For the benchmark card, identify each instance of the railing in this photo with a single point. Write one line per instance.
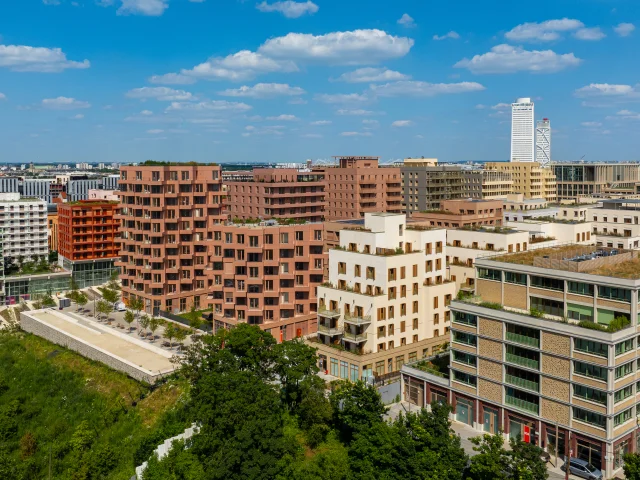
(522, 404)
(329, 330)
(525, 362)
(521, 382)
(355, 337)
(357, 319)
(325, 312)
(523, 339)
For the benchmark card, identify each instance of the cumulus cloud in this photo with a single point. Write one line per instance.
(402, 123)
(267, 130)
(453, 35)
(591, 124)
(501, 106)
(311, 135)
(589, 34)
(625, 115)
(371, 74)
(151, 8)
(172, 79)
(159, 93)
(284, 118)
(263, 90)
(211, 105)
(79, 116)
(423, 89)
(341, 98)
(343, 48)
(406, 21)
(358, 112)
(624, 29)
(321, 122)
(297, 101)
(289, 8)
(64, 103)
(544, 31)
(146, 112)
(356, 134)
(608, 90)
(22, 58)
(508, 59)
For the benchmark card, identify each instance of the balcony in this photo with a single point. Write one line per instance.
(325, 312)
(329, 330)
(523, 361)
(521, 404)
(523, 339)
(355, 337)
(521, 382)
(357, 319)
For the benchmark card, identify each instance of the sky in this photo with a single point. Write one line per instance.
(285, 81)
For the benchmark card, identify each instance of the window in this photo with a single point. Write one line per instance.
(619, 294)
(465, 318)
(590, 394)
(623, 393)
(552, 307)
(489, 274)
(594, 348)
(465, 338)
(547, 283)
(589, 417)
(464, 378)
(415, 323)
(624, 347)
(589, 370)
(624, 370)
(517, 278)
(465, 358)
(580, 288)
(622, 417)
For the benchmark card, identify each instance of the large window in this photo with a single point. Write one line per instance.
(589, 417)
(588, 370)
(623, 393)
(624, 347)
(580, 288)
(594, 348)
(548, 283)
(579, 312)
(619, 294)
(624, 370)
(465, 338)
(463, 357)
(552, 307)
(465, 318)
(590, 394)
(464, 378)
(622, 417)
(517, 278)
(489, 274)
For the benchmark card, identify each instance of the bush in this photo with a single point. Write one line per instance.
(534, 312)
(492, 305)
(617, 324)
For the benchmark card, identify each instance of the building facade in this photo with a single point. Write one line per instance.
(24, 224)
(266, 275)
(425, 184)
(359, 185)
(486, 184)
(386, 301)
(462, 213)
(577, 179)
(522, 131)
(167, 215)
(615, 223)
(543, 142)
(78, 188)
(529, 178)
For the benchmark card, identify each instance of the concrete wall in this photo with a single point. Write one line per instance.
(390, 392)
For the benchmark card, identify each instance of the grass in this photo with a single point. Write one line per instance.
(187, 315)
(526, 258)
(50, 397)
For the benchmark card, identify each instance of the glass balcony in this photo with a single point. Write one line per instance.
(521, 382)
(523, 339)
(525, 362)
(522, 404)
(329, 330)
(357, 319)
(355, 337)
(325, 312)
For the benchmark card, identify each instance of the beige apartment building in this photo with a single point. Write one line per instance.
(531, 354)
(486, 184)
(386, 301)
(529, 178)
(166, 219)
(461, 213)
(359, 185)
(267, 275)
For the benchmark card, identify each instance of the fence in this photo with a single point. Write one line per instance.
(207, 327)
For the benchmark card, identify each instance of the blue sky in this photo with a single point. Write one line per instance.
(230, 80)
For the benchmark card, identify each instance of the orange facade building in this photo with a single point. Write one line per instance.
(168, 214)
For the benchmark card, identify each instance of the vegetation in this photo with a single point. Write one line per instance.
(32, 265)
(534, 312)
(83, 420)
(631, 466)
(617, 324)
(522, 462)
(492, 305)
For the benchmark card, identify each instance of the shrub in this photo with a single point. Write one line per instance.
(534, 312)
(492, 305)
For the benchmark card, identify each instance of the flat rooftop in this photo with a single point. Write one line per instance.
(121, 351)
(604, 261)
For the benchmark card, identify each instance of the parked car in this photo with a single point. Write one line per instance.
(120, 307)
(583, 469)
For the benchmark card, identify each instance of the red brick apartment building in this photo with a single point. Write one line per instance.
(358, 185)
(168, 213)
(266, 275)
(278, 193)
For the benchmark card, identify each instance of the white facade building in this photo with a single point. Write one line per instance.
(24, 225)
(522, 131)
(387, 289)
(543, 142)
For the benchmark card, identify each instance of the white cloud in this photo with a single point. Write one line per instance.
(146, 112)
(22, 58)
(359, 111)
(356, 134)
(589, 34)
(284, 118)
(507, 59)
(51, 2)
(368, 121)
(451, 34)
(211, 105)
(151, 8)
(423, 89)
(480, 106)
(159, 93)
(289, 8)
(311, 135)
(341, 98)
(402, 123)
(370, 74)
(207, 121)
(625, 115)
(624, 29)
(321, 122)
(267, 130)
(263, 90)
(406, 21)
(172, 79)
(607, 90)
(591, 124)
(3, 96)
(79, 116)
(501, 106)
(544, 31)
(64, 103)
(357, 47)
(297, 101)
(419, 136)
(155, 131)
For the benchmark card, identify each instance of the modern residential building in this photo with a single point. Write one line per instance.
(576, 179)
(555, 231)
(52, 222)
(532, 355)
(615, 222)
(167, 215)
(237, 176)
(23, 221)
(522, 131)
(461, 213)
(425, 184)
(280, 193)
(88, 240)
(78, 187)
(108, 195)
(266, 274)
(543, 142)
(486, 184)
(359, 185)
(529, 178)
(386, 301)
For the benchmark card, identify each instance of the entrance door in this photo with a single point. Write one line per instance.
(490, 420)
(515, 429)
(462, 413)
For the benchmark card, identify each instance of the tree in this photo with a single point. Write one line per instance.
(113, 282)
(144, 322)
(104, 307)
(492, 461)
(181, 334)
(526, 461)
(82, 300)
(129, 317)
(47, 300)
(169, 333)
(355, 406)
(295, 362)
(195, 318)
(136, 304)
(111, 296)
(154, 324)
(631, 466)
(53, 256)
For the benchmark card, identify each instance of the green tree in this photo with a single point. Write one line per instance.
(526, 461)
(81, 300)
(129, 317)
(355, 406)
(111, 296)
(295, 361)
(154, 324)
(144, 323)
(169, 333)
(181, 334)
(195, 318)
(178, 464)
(104, 307)
(492, 461)
(631, 466)
(136, 304)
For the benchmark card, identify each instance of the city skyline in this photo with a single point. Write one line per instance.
(310, 80)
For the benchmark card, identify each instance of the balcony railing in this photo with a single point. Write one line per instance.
(325, 312)
(521, 382)
(522, 404)
(357, 319)
(523, 339)
(329, 330)
(355, 337)
(525, 362)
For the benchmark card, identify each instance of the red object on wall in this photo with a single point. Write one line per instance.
(527, 434)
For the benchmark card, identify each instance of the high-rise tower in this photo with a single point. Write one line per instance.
(522, 131)
(543, 142)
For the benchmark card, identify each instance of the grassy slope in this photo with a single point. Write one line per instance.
(57, 389)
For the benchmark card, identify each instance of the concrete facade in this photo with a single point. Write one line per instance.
(529, 178)
(425, 184)
(23, 221)
(462, 213)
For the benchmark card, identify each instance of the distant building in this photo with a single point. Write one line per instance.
(462, 213)
(425, 184)
(52, 223)
(95, 194)
(576, 179)
(486, 184)
(237, 175)
(529, 178)
(522, 131)
(78, 188)
(23, 222)
(543, 142)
